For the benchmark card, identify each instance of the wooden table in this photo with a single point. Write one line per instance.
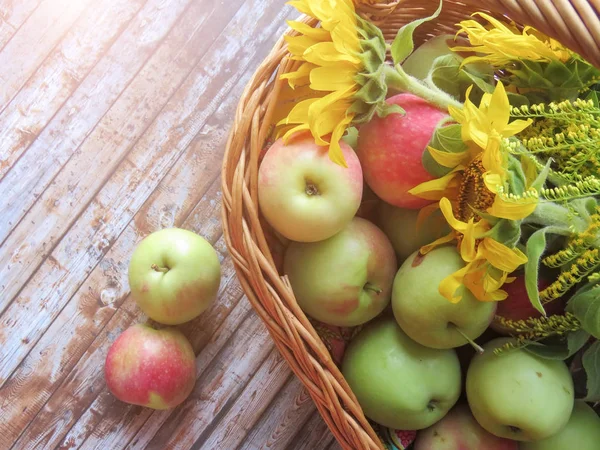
(113, 120)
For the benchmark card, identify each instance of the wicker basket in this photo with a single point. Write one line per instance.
(574, 23)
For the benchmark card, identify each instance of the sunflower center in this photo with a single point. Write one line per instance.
(473, 195)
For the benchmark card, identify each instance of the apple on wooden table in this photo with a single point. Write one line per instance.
(174, 275)
(303, 194)
(459, 430)
(518, 395)
(399, 383)
(345, 280)
(149, 367)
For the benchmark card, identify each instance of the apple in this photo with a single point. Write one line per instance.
(152, 368)
(459, 430)
(391, 148)
(518, 395)
(304, 195)
(174, 275)
(420, 61)
(517, 305)
(400, 226)
(399, 383)
(428, 317)
(345, 280)
(582, 432)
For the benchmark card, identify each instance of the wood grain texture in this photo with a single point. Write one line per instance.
(113, 120)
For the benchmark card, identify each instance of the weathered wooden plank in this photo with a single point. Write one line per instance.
(44, 159)
(280, 423)
(314, 434)
(41, 31)
(12, 15)
(60, 74)
(232, 427)
(106, 287)
(129, 186)
(34, 171)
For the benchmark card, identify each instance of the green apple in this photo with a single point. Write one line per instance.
(400, 226)
(174, 275)
(428, 317)
(518, 395)
(582, 432)
(399, 383)
(459, 430)
(345, 280)
(421, 60)
(152, 368)
(303, 194)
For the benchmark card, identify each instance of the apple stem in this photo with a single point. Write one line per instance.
(476, 346)
(159, 269)
(370, 287)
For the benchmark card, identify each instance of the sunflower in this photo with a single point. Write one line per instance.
(475, 194)
(500, 44)
(339, 63)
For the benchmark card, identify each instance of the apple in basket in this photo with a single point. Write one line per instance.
(428, 317)
(582, 432)
(518, 395)
(152, 368)
(174, 275)
(459, 430)
(303, 194)
(391, 149)
(399, 383)
(400, 226)
(345, 280)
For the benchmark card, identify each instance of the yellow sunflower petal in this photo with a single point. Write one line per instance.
(512, 210)
(437, 188)
(332, 78)
(515, 127)
(448, 159)
(499, 108)
(325, 54)
(440, 241)
(475, 282)
(316, 34)
(501, 256)
(335, 151)
(300, 77)
(450, 287)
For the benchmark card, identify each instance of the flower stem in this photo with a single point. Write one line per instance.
(397, 79)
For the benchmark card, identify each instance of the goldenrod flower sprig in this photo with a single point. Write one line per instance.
(483, 198)
(526, 58)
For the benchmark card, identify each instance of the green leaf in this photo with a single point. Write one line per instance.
(586, 307)
(591, 365)
(447, 74)
(536, 244)
(446, 139)
(351, 137)
(555, 351)
(576, 340)
(385, 109)
(403, 44)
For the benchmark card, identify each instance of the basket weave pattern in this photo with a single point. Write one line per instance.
(575, 23)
